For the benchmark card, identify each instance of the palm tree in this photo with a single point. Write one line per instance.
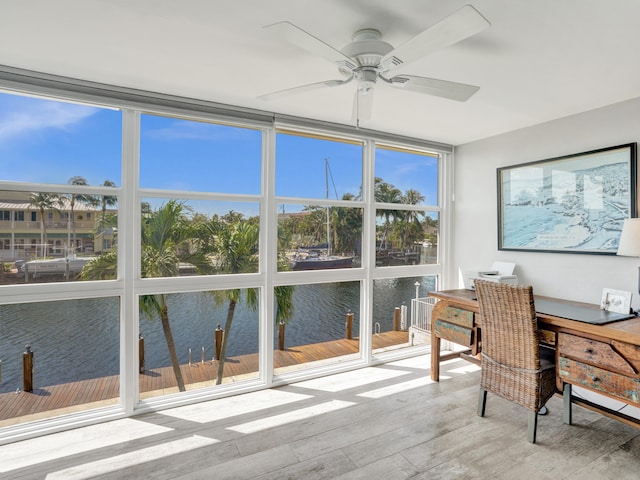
(386, 193)
(412, 218)
(236, 250)
(284, 302)
(167, 241)
(107, 200)
(234, 241)
(79, 197)
(103, 267)
(412, 197)
(44, 202)
(346, 226)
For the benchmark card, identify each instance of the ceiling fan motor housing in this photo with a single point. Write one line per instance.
(367, 48)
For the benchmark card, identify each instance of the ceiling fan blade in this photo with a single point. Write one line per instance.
(304, 88)
(456, 27)
(440, 88)
(294, 35)
(362, 106)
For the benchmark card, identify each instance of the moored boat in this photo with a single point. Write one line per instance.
(321, 262)
(53, 266)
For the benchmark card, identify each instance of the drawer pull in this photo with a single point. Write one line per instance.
(594, 378)
(589, 351)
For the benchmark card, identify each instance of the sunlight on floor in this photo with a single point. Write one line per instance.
(352, 379)
(143, 455)
(235, 406)
(290, 417)
(396, 388)
(74, 442)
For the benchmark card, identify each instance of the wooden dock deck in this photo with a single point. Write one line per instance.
(60, 399)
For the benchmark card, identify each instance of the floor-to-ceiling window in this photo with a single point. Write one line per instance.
(200, 185)
(318, 184)
(148, 252)
(61, 176)
(407, 210)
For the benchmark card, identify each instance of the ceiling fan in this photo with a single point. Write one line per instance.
(368, 59)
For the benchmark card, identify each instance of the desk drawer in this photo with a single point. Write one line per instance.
(614, 384)
(597, 353)
(454, 333)
(457, 316)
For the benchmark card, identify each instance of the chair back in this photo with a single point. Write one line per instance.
(508, 324)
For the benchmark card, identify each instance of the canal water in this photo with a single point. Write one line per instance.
(79, 339)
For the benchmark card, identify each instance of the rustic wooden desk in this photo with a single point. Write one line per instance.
(602, 358)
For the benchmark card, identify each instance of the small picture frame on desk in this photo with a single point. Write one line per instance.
(618, 301)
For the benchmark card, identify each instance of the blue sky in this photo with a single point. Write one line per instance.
(47, 141)
(50, 142)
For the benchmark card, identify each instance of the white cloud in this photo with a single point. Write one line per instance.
(27, 116)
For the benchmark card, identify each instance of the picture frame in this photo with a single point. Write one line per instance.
(570, 204)
(618, 301)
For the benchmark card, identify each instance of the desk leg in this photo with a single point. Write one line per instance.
(566, 400)
(435, 357)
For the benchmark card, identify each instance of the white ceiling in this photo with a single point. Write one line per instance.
(539, 60)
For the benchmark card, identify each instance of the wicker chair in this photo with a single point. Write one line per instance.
(514, 365)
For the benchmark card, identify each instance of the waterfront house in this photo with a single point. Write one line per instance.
(22, 230)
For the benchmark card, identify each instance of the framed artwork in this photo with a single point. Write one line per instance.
(616, 300)
(571, 204)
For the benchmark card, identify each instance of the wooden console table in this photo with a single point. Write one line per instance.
(602, 358)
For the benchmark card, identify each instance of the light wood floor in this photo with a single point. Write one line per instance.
(385, 422)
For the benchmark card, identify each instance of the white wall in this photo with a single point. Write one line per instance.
(475, 246)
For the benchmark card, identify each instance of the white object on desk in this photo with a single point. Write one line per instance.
(501, 272)
(615, 300)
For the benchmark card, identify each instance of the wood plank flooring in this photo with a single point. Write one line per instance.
(66, 398)
(385, 422)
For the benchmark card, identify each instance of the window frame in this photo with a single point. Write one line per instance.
(129, 285)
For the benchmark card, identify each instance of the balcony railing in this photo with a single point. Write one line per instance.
(52, 226)
(421, 313)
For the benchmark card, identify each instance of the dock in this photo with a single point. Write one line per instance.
(54, 400)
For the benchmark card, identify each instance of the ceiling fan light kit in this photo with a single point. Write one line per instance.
(368, 58)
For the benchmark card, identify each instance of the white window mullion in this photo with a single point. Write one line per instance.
(448, 277)
(128, 263)
(368, 254)
(268, 255)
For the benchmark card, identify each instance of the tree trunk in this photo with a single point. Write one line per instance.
(225, 340)
(44, 230)
(175, 363)
(73, 228)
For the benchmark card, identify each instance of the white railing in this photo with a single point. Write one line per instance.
(421, 313)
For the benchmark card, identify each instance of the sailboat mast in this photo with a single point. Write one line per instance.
(326, 186)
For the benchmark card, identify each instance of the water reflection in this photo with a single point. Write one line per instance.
(79, 339)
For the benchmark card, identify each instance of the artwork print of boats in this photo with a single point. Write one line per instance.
(574, 204)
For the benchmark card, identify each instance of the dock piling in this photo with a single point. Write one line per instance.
(396, 319)
(281, 332)
(349, 326)
(27, 369)
(219, 333)
(141, 353)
